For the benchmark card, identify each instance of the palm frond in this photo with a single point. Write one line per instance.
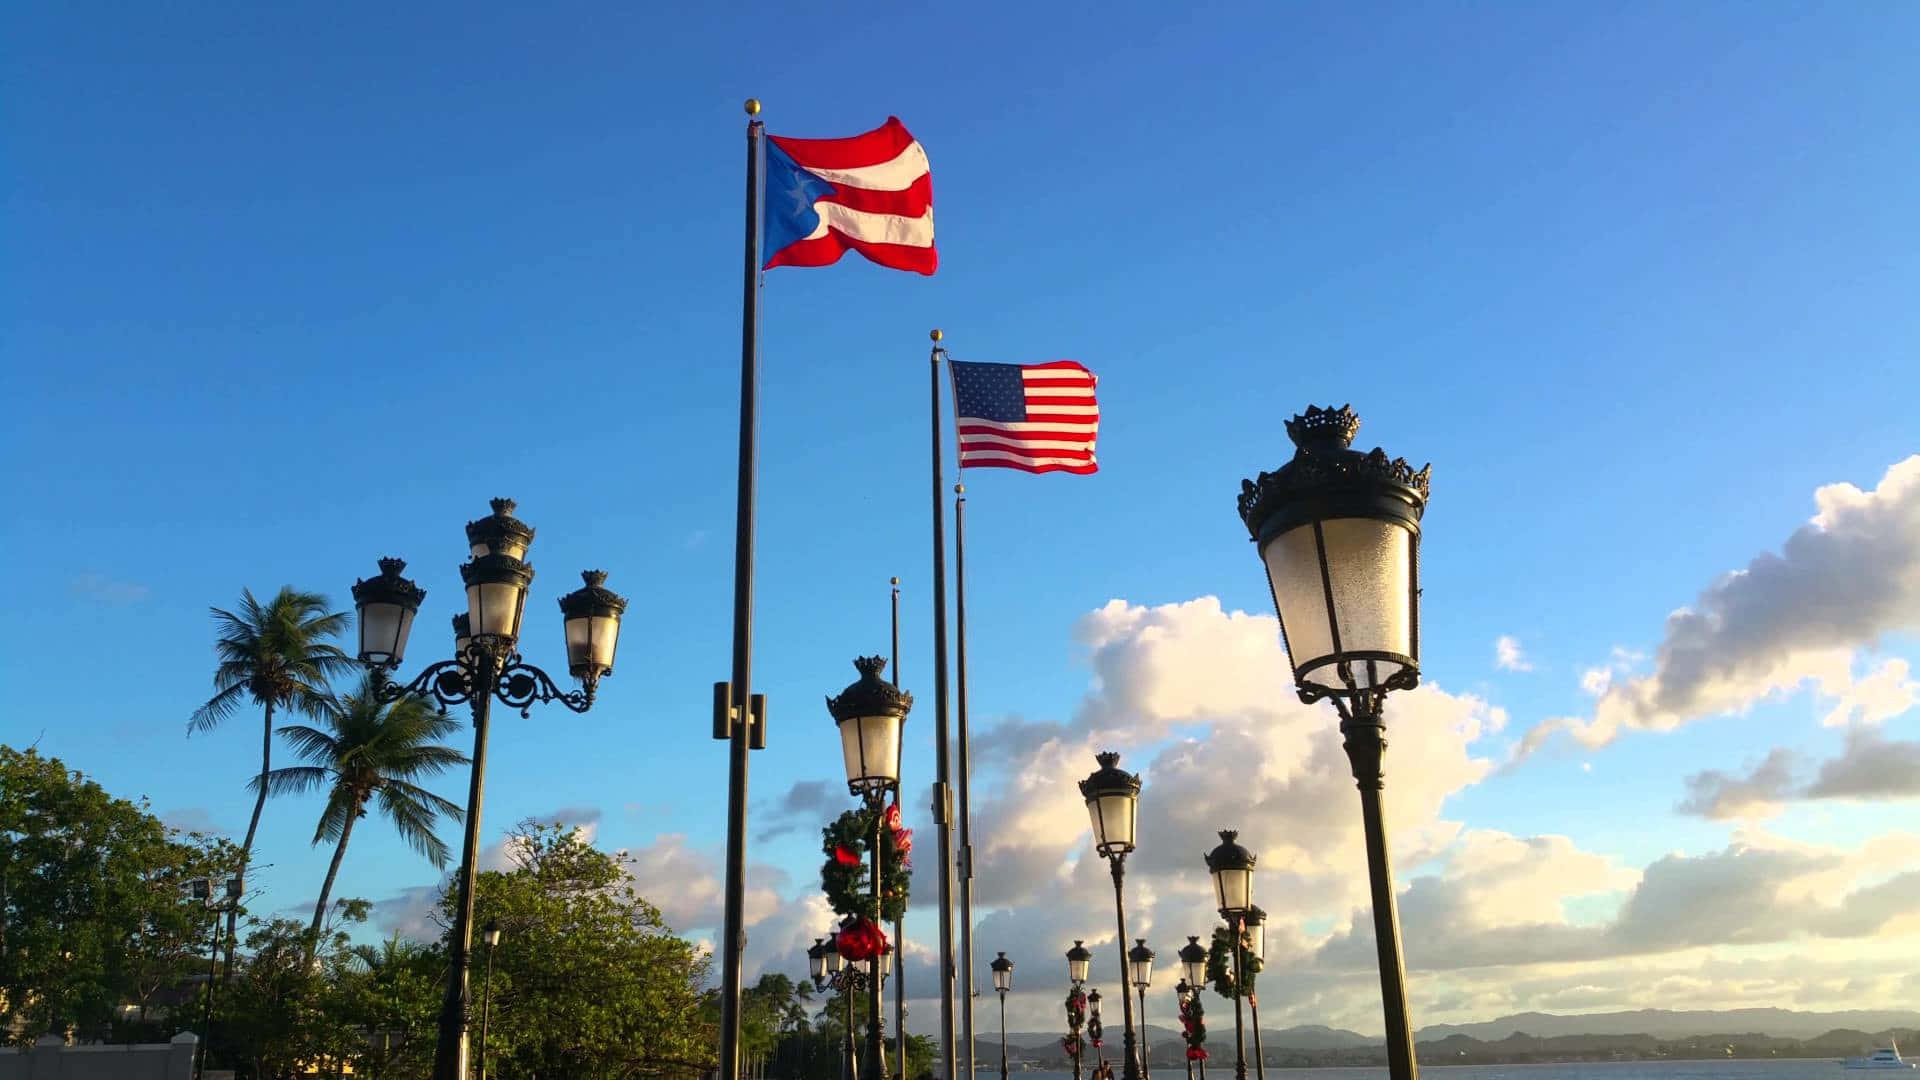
(414, 821)
(311, 743)
(292, 780)
(218, 707)
(343, 803)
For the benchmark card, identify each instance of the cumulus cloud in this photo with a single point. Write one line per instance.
(1788, 619)
(804, 805)
(1508, 656)
(1869, 766)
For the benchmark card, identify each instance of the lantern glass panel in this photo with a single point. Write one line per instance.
(1113, 822)
(494, 608)
(1077, 970)
(1142, 972)
(1257, 939)
(870, 746)
(835, 961)
(383, 632)
(1196, 971)
(816, 963)
(590, 642)
(1369, 566)
(1003, 979)
(1233, 889)
(508, 546)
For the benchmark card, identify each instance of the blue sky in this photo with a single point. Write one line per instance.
(294, 288)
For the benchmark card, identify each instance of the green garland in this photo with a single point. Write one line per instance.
(845, 882)
(1220, 965)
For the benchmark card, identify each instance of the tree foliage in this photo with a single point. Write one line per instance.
(95, 908)
(587, 979)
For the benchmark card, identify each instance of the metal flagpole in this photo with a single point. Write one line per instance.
(899, 924)
(966, 808)
(733, 706)
(942, 791)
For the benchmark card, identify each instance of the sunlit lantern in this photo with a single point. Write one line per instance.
(386, 606)
(1140, 963)
(591, 615)
(1232, 868)
(499, 533)
(1002, 973)
(1077, 960)
(870, 714)
(1112, 795)
(1193, 961)
(1339, 531)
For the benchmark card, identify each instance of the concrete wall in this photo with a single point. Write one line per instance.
(141, 1061)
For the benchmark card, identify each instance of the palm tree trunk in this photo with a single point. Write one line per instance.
(253, 825)
(326, 887)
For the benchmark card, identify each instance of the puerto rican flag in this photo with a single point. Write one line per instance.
(871, 193)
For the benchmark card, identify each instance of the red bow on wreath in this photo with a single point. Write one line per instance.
(862, 939)
(1195, 1053)
(845, 857)
(902, 838)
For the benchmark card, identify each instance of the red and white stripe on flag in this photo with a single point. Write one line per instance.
(1034, 417)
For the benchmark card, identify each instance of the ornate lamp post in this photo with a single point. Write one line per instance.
(1078, 959)
(1193, 970)
(1113, 798)
(870, 714)
(1140, 963)
(1339, 532)
(490, 934)
(1002, 982)
(1253, 938)
(1095, 1029)
(1232, 868)
(487, 666)
(832, 969)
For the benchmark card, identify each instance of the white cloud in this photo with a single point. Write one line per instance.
(1787, 620)
(1507, 655)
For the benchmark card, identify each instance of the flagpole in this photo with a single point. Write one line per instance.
(899, 924)
(966, 808)
(737, 715)
(942, 791)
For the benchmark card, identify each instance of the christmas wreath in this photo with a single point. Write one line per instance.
(1220, 965)
(843, 877)
(1193, 1026)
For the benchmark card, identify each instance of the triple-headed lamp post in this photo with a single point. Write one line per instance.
(486, 666)
(1232, 868)
(1339, 532)
(1002, 982)
(870, 715)
(1140, 963)
(1113, 797)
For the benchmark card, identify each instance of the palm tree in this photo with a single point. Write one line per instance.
(372, 751)
(274, 655)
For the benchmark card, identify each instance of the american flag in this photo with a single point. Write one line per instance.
(1035, 417)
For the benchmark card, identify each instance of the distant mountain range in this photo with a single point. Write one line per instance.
(1658, 1023)
(1671, 1024)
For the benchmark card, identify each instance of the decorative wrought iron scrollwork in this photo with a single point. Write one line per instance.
(516, 684)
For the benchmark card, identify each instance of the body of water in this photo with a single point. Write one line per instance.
(1770, 1069)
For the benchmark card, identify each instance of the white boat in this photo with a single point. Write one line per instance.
(1887, 1057)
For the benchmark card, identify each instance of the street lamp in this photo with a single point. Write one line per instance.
(1253, 938)
(486, 665)
(1193, 962)
(1339, 532)
(491, 935)
(1113, 799)
(870, 714)
(201, 889)
(1232, 868)
(1077, 960)
(1140, 961)
(1002, 982)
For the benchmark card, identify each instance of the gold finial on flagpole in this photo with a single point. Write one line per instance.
(959, 489)
(936, 335)
(753, 106)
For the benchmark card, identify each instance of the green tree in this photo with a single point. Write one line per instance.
(587, 979)
(392, 990)
(95, 909)
(274, 655)
(370, 752)
(285, 1009)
